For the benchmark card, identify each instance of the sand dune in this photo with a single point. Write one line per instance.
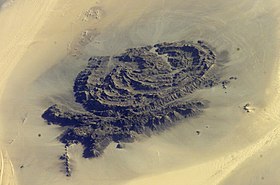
(7, 175)
(15, 40)
(44, 44)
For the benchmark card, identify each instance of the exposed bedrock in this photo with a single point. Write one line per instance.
(139, 92)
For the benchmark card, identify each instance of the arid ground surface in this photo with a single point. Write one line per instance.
(44, 45)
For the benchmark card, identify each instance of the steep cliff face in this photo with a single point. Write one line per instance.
(141, 91)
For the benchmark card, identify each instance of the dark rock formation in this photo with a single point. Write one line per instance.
(233, 78)
(225, 83)
(247, 107)
(66, 159)
(141, 91)
(120, 145)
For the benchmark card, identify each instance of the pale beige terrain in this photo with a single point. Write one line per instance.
(44, 44)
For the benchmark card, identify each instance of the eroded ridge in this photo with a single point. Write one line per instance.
(141, 91)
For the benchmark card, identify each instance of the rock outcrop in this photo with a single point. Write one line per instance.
(142, 91)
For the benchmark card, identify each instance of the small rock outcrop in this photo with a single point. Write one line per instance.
(65, 157)
(248, 108)
(120, 146)
(139, 92)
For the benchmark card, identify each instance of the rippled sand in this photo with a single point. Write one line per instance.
(44, 44)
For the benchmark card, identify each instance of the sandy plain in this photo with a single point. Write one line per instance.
(44, 44)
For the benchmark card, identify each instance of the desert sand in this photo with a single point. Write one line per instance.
(44, 44)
